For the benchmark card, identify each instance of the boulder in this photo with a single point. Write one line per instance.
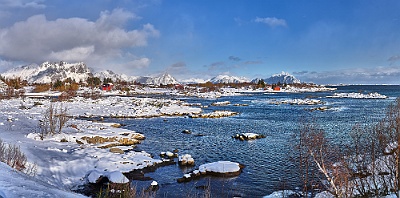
(116, 150)
(219, 169)
(248, 136)
(186, 160)
(186, 131)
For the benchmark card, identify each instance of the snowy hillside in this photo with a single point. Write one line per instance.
(283, 78)
(228, 79)
(163, 79)
(49, 72)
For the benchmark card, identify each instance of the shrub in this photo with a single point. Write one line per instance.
(53, 121)
(12, 156)
(41, 88)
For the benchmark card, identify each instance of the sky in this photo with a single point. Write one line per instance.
(325, 42)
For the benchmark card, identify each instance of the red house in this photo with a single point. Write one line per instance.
(107, 87)
(277, 88)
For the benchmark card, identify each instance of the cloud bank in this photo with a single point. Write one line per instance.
(271, 21)
(75, 39)
(377, 75)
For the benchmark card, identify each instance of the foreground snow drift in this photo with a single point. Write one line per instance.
(17, 184)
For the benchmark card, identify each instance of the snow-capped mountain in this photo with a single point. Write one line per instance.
(284, 78)
(50, 72)
(228, 79)
(163, 79)
(114, 76)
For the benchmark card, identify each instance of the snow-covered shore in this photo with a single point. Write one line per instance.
(66, 159)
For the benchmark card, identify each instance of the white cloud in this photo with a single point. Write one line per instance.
(394, 58)
(74, 39)
(74, 54)
(139, 63)
(23, 3)
(271, 21)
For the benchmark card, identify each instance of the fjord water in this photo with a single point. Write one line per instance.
(268, 167)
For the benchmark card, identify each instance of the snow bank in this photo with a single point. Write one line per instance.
(223, 103)
(298, 102)
(117, 177)
(282, 193)
(214, 114)
(17, 184)
(374, 95)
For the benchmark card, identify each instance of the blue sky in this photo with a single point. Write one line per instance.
(317, 41)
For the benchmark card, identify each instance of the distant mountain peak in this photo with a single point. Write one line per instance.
(228, 79)
(283, 77)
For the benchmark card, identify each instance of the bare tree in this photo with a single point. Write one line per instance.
(388, 134)
(62, 117)
(317, 153)
(54, 119)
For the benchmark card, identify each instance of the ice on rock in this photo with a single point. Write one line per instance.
(94, 176)
(117, 177)
(220, 167)
(154, 183)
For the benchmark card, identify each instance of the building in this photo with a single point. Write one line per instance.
(277, 88)
(107, 87)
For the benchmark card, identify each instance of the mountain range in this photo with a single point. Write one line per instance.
(52, 71)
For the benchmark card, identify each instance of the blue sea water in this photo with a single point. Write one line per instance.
(267, 164)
